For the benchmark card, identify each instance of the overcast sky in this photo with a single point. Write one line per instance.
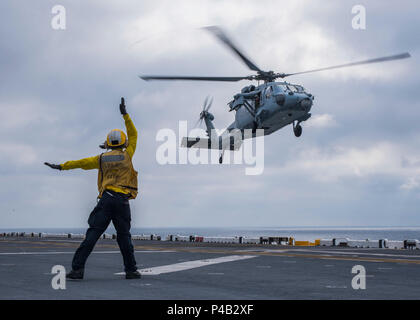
(356, 164)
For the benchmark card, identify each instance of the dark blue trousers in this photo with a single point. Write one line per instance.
(113, 207)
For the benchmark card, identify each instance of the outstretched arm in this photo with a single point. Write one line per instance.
(93, 162)
(86, 164)
(131, 130)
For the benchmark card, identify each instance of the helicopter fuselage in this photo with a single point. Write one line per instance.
(270, 106)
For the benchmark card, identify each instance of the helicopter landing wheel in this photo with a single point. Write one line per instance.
(297, 129)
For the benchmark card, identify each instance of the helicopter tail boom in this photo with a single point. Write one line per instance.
(220, 143)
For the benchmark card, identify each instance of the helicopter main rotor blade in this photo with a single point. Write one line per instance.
(382, 59)
(205, 103)
(209, 104)
(222, 37)
(147, 78)
(198, 123)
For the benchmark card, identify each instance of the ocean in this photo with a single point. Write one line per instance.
(299, 233)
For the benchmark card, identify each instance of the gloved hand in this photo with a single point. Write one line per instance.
(122, 107)
(53, 166)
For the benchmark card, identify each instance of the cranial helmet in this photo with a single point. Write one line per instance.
(116, 138)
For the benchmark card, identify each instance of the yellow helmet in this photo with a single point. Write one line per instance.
(116, 138)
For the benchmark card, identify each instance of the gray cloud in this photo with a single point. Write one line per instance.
(60, 92)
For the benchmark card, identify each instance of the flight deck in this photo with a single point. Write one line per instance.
(184, 270)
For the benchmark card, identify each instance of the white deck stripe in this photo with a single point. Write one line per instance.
(189, 265)
(72, 252)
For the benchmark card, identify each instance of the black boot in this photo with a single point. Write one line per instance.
(75, 274)
(132, 275)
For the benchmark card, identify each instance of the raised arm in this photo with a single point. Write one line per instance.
(131, 130)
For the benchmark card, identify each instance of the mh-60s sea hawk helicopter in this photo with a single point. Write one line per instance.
(269, 106)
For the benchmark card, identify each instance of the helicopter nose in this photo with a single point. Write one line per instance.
(306, 104)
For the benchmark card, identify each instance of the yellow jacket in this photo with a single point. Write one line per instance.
(93, 162)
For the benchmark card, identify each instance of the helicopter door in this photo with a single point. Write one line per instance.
(257, 101)
(267, 94)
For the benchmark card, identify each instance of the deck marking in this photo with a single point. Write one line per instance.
(72, 252)
(342, 255)
(60, 240)
(336, 287)
(262, 250)
(216, 273)
(189, 265)
(355, 254)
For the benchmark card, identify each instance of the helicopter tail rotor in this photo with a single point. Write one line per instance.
(205, 114)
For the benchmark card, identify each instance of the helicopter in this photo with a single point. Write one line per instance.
(269, 106)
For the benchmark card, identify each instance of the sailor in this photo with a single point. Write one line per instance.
(117, 184)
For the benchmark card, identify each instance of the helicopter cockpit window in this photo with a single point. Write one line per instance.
(292, 88)
(268, 92)
(296, 88)
(279, 88)
(299, 88)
